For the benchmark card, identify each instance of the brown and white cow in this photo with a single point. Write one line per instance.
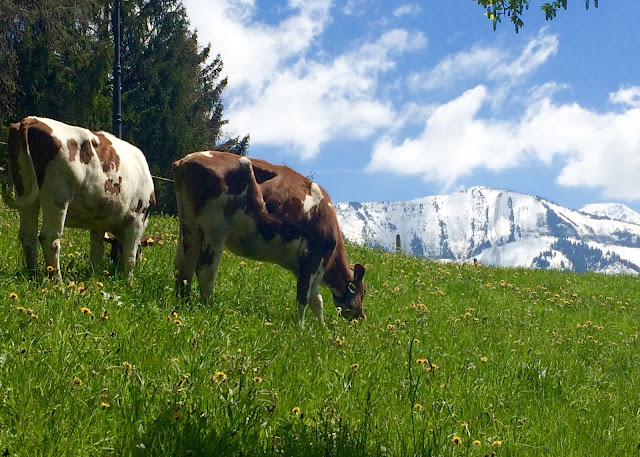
(81, 179)
(265, 212)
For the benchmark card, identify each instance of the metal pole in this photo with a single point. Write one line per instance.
(116, 121)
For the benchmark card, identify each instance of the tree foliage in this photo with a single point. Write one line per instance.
(513, 10)
(56, 61)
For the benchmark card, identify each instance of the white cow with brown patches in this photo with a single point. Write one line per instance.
(81, 179)
(265, 212)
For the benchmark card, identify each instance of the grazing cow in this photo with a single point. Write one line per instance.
(265, 212)
(81, 179)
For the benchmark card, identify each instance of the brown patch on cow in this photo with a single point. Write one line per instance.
(107, 154)
(113, 187)
(139, 206)
(72, 146)
(43, 146)
(85, 152)
(262, 174)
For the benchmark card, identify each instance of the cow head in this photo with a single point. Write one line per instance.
(350, 304)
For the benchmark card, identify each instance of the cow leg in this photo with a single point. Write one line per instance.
(96, 251)
(185, 259)
(302, 295)
(206, 268)
(130, 243)
(315, 303)
(53, 218)
(28, 235)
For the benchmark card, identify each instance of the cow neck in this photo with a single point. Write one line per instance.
(337, 274)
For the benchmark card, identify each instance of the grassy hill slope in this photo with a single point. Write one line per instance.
(452, 360)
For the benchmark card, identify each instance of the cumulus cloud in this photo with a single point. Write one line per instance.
(311, 102)
(596, 149)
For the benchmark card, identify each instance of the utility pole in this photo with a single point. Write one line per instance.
(116, 120)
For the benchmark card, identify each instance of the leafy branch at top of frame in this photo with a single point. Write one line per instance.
(496, 10)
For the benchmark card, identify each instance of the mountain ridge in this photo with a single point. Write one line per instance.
(499, 227)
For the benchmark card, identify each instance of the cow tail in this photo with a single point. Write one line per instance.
(19, 145)
(255, 198)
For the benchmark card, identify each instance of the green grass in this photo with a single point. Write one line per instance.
(528, 363)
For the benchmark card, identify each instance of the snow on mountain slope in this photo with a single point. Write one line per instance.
(497, 227)
(615, 211)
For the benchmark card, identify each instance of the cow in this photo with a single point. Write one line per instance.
(79, 178)
(265, 212)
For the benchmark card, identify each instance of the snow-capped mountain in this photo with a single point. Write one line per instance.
(615, 211)
(501, 228)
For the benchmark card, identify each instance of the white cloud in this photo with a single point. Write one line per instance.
(252, 51)
(599, 150)
(311, 103)
(407, 9)
(629, 96)
(491, 63)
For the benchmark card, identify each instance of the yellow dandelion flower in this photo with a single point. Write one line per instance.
(389, 326)
(484, 359)
(257, 379)
(20, 308)
(464, 425)
(178, 322)
(416, 341)
(220, 376)
(104, 405)
(338, 341)
(99, 284)
(496, 443)
(50, 269)
(296, 411)
(268, 324)
(77, 381)
(174, 314)
(418, 407)
(104, 316)
(85, 310)
(13, 295)
(355, 367)
(456, 440)
(476, 442)
(128, 367)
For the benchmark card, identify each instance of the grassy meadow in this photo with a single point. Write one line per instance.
(452, 360)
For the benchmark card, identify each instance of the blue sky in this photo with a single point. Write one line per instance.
(385, 101)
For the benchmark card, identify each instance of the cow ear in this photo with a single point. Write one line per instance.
(358, 272)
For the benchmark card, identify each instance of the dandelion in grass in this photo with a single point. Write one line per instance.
(99, 284)
(13, 296)
(456, 440)
(416, 341)
(104, 405)
(20, 308)
(257, 379)
(268, 324)
(464, 425)
(484, 359)
(77, 381)
(128, 368)
(85, 310)
(389, 326)
(338, 341)
(104, 316)
(476, 442)
(496, 443)
(296, 411)
(418, 407)
(355, 367)
(50, 269)
(219, 376)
